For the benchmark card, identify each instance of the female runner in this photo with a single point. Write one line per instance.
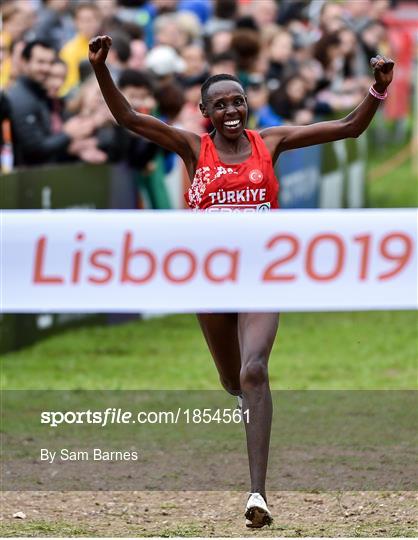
(221, 166)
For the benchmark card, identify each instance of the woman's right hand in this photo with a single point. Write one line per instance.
(98, 48)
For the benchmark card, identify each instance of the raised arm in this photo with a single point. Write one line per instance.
(184, 143)
(281, 138)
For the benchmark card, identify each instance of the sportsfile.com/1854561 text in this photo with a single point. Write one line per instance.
(113, 415)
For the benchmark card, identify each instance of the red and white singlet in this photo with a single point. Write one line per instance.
(250, 186)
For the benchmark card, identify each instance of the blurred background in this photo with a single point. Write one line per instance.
(299, 61)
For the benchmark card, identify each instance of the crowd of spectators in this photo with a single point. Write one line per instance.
(299, 61)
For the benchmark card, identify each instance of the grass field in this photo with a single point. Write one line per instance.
(371, 350)
(395, 189)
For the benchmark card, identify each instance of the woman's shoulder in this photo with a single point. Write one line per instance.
(256, 135)
(264, 141)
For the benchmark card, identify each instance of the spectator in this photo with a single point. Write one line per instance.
(171, 100)
(223, 63)
(119, 54)
(5, 62)
(36, 138)
(312, 72)
(138, 89)
(246, 45)
(289, 101)
(261, 64)
(6, 147)
(329, 53)
(168, 32)
(16, 22)
(144, 15)
(331, 18)
(219, 42)
(264, 12)
(201, 8)
(85, 149)
(280, 56)
(108, 13)
(190, 117)
(290, 11)
(261, 114)
(378, 8)
(190, 27)
(89, 104)
(55, 79)
(194, 58)
(147, 161)
(14, 68)
(349, 53)
(18, 18)
(54, 23)
(138, 54)
(165, 63)
(87, 22)
(112, 22)
(225, 11)
(356, 14)
(371, 38)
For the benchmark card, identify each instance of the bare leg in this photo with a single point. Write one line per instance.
(256, 332)
(221, 334)
(240, 345)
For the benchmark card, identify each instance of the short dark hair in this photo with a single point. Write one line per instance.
(170, 97)
(29, 45)
(121, 46)
(225, 9)
(246, 44)
(138, 79)
(214, 79)
(226, 56)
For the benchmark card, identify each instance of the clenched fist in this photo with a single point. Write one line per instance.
(98, 48)
(383, 72)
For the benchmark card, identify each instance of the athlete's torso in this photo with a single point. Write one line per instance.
(250, 186)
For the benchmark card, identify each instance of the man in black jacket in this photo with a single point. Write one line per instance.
(37, 139)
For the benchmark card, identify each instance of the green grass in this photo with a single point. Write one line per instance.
(396, 189)
(293, 530)
(189, 530)
(43, 528)
(363, 350)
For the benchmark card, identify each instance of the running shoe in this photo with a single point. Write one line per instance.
(256, 512)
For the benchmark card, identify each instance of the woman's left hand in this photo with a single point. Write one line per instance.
(383, 72)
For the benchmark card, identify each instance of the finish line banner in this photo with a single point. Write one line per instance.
(110, 261)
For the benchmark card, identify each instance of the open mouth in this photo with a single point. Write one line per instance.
(232, 124)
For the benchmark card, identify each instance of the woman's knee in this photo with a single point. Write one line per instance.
(231, 386)
(254, 372)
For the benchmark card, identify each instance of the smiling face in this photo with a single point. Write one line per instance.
(140, 98)
(226, 106)
(38, 66)
(55, 79)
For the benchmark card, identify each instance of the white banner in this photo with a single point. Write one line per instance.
(109, 261)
